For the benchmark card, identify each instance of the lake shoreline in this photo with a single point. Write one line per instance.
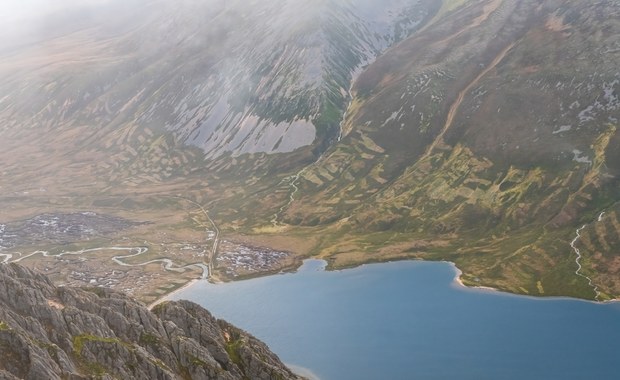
(457, 282)
(166, 296)
(405, 317)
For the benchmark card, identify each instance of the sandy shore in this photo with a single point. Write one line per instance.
(458, 282)
(166, 297)
(613, 300)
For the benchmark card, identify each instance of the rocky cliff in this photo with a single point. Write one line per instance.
(49, 332)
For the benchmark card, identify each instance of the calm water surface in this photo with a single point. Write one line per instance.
(408, 320)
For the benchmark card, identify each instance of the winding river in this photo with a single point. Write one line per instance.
(573, 245)
(168, 264)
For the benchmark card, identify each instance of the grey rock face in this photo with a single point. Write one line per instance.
(57, 333)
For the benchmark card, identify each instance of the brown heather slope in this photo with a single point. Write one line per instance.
(487, 139)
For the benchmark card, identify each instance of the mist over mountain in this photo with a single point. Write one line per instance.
(482, 132)
(227, 77)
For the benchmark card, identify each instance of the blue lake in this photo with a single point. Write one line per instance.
(408, 320)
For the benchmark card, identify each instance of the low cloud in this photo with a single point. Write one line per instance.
(24, 21)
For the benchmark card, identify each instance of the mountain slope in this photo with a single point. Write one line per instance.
(486, 139)
(55, 333)
(127, 94)
(232, 77)
(153, 111)
(485, 133)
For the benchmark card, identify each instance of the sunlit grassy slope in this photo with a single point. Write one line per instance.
(486, 138)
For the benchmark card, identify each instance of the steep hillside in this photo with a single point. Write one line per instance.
(235, 138)
(153, 111)
(58, 333)
(231, 76)
(487, 139)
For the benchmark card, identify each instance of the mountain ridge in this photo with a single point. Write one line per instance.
(56, 332)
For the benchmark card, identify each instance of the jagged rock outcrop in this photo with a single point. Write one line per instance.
(49, 332)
